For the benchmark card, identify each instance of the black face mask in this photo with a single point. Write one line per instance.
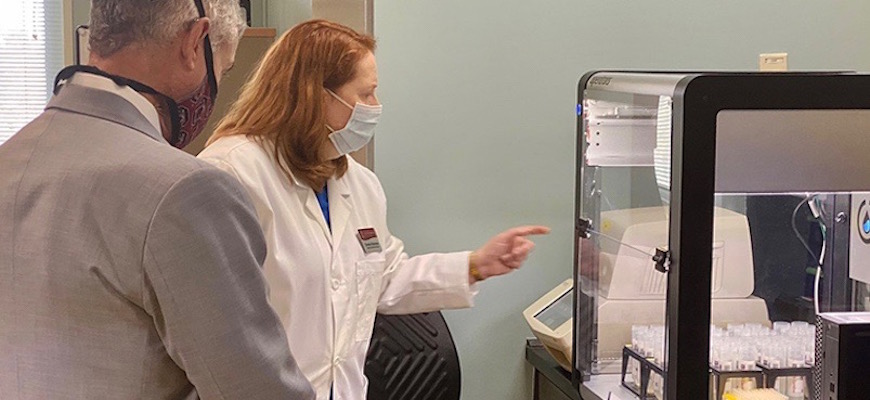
(187, 119)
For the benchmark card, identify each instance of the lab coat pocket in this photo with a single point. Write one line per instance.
(369, 274)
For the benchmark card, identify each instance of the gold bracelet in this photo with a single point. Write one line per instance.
(472, 269)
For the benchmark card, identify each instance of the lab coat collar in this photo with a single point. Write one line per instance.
(340, 207)
(335, 185)
(338, 186)
(299, 185)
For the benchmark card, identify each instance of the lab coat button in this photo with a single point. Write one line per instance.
(335, 284)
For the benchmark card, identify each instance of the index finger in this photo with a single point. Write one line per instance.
(529, 230)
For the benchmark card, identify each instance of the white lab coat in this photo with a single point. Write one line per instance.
(323, 286)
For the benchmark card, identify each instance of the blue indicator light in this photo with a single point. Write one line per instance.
(866, 226)
(579, 109)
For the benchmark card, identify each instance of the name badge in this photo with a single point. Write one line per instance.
(368, 239)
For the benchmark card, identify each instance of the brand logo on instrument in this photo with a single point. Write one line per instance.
(600, 81)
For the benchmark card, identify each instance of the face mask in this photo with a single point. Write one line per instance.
(194, 111)
(360, 127)
(187, 117)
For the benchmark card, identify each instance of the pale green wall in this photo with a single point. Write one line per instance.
(478, 126)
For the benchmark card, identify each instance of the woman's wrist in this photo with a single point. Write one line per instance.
(473, 269)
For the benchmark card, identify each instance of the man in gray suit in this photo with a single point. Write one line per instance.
(129, 269)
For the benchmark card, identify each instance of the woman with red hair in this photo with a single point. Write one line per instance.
(332, 262)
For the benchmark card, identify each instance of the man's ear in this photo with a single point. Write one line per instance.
(193, 42)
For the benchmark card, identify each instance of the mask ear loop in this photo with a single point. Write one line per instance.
(209, 57)
(209, 73)
(337, 97)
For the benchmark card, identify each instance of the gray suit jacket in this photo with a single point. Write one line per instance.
(129, 269)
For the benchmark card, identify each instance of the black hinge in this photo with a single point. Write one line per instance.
(662, 260)
(583, 226)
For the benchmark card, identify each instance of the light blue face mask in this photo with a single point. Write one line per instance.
(360, 127)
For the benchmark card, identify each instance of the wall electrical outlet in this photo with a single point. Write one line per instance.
(773, 62)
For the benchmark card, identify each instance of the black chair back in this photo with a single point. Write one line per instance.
(412, 357)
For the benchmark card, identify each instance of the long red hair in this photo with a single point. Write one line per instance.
(283, 102)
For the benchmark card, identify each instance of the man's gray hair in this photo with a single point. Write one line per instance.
(115, 24)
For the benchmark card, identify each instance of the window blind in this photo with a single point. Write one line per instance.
(31, 53)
